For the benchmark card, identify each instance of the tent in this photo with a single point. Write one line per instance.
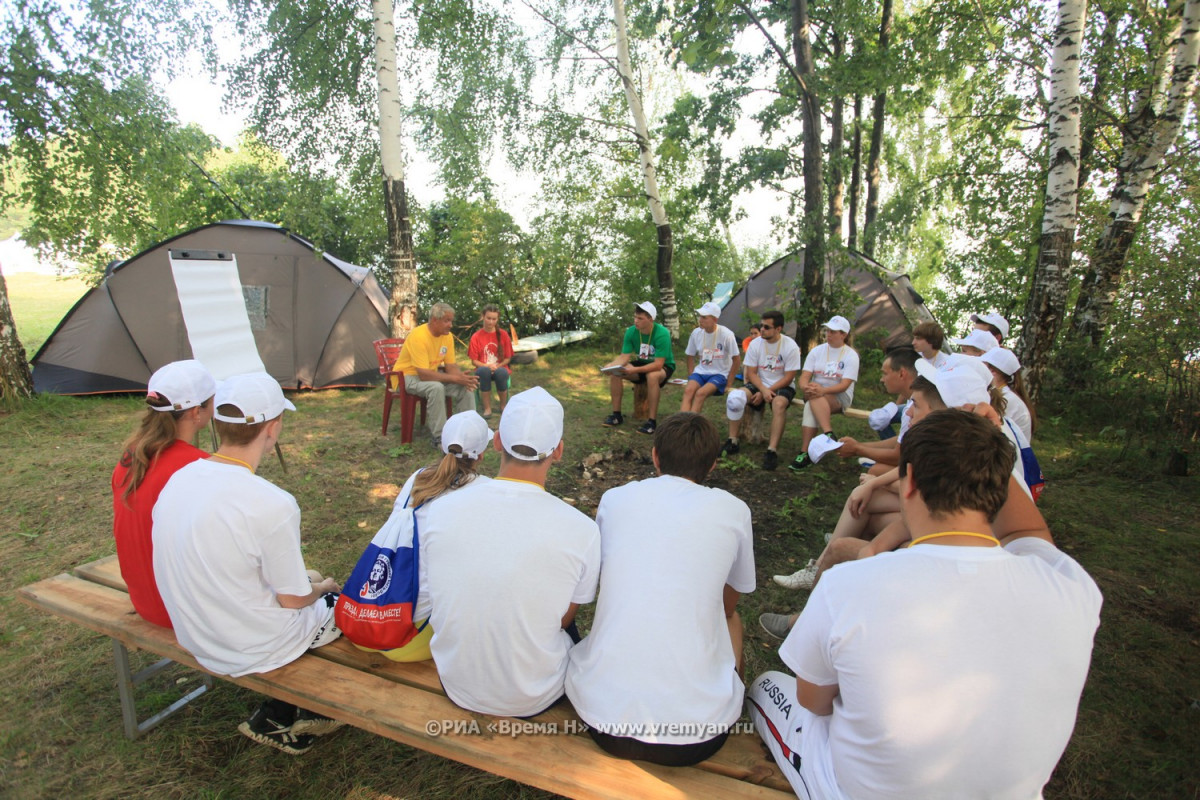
(239, 296)
(889, 303)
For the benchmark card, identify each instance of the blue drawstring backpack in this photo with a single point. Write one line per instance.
(376, 605)
(1029, 462)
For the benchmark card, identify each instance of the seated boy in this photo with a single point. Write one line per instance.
(712, 359)
(228, 563)
(666, 639)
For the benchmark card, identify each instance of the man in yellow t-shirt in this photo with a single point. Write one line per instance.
(427, 361)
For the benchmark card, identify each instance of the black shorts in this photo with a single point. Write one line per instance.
(640, 377)
(788, 391)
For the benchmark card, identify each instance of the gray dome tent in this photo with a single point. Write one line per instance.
(888, 300)
(237, 295)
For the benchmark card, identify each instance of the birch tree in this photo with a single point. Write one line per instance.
(402, 311)
(15, 379)
(1048, 296)
(666, 280)
(1152, 129)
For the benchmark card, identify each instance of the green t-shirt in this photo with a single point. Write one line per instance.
(647, 348)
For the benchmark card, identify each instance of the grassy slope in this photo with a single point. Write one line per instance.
(39, 303)
(59, 715)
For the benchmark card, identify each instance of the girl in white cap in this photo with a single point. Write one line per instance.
(465, 438)
(179, 399)
(1006, 372)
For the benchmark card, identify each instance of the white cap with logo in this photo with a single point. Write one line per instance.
(183, 384)
(735, 404)
(980, 340)
(995, 320)
(256, 394)
(1004, 360)
(469, 431)
(648, 307)
(838, 323)
(964, 380)
(709, 309)
(532, 419)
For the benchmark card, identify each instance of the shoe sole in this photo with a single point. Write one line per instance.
(647, 433)
(771, 632)
(317, 727)
(279, 744)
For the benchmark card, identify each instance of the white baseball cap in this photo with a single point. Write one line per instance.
(648, 307)
(183, 384)
(880, 418)
(533, 419)
(979, 339)
(709, 309)
(821, 446)
(469, 431)
(735, 404)
(256, 394)
(838, 323)
(960, 381)
(1004, 360)
(993, 319)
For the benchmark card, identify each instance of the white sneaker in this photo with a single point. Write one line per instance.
(800, 579)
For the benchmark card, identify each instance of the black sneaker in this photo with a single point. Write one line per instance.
(647, 427)
(730, 448)
(800, 463)
(313, 724)
(264, 730)
(613, 420)
(770, 460)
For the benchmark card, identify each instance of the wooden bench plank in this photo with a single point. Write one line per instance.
(402, 712)
(743, 755)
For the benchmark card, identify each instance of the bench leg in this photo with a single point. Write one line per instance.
(126, 681)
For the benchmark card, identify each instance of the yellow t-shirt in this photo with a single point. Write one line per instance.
(423, 349)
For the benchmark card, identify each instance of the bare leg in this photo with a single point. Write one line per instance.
(653, 390)
(706, 391)
(689, 393)
(616, 390)
(503, 398)
(779, 407)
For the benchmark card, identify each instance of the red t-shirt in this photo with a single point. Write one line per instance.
(132, 527)
(498, 344)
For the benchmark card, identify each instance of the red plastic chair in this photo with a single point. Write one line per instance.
(387, 351)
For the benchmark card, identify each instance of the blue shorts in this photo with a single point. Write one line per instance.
(715, 380)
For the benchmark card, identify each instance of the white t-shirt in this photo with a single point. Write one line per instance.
(959, 670)
(773, 359)
(422, 608)
(1013, 434)
(1018, 412)
(714, 351)
(504, 560)
(830, 367)
(225, 543)
(659, 652)
(940, 360)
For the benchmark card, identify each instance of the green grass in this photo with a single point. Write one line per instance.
(1135, 531)
(39, 303)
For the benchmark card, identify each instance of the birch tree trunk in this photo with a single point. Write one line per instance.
(875, 156)
(855, 173)
(837, 183)
(814, 231)
(15, 379)
(1047, 301)
(402, 310)
(666, 249)
(1153, 128)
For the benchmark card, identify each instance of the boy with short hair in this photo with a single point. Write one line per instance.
(712, 359)
(665, 647)
(228, 562)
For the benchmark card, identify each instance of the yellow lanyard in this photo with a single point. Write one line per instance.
(234, 460)
(954, 533)
(518, 480)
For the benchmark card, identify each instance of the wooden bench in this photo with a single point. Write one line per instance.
(406, 703)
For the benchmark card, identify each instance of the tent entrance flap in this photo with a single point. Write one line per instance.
(214, 312)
